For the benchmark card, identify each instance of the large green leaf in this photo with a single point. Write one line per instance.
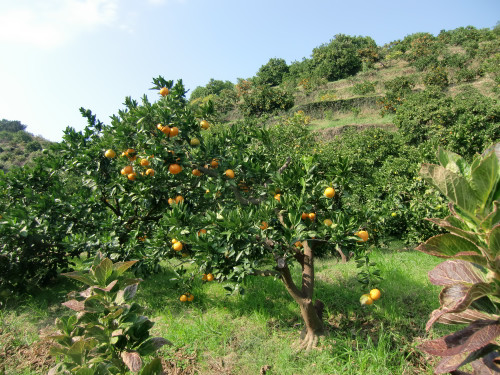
(456, 226)
(103, 271)
(454, 186)
(153, 368)
(494, 241)
(80, 277)
(484, 177)
(121, 267)
(451, 246)
(493, 217)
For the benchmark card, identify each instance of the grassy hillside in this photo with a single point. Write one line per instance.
(17, 146)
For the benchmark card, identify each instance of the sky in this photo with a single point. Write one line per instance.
(59, 55)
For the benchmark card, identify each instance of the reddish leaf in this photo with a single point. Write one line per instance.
(450, 363)
(453, 271)
(456, 226)
(109, 287)
(75, 305)
(132, 360)
(471, 338)
(463, 317)
(488, 365)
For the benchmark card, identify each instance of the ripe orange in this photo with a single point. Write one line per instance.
(171, 201)
(263, 225)
(174, 240)
(179, 199)
(304, 216)
(150, 172)
(177, 246)
(164, 91)
(375, 294)
(204, 124)
(159, 127)
(173, 131)
(183, 298)
(311, 216)
(363, 234)
(144, 162)
(298, 244)
(277, 197)
(130, 151)
(132, 176)
(329, 192)
(196, 172)
(204, 277)
(210, 277)
(230, 173)
(166, 130)
(174, 168)
(366, 299)
(202, 231)
(110, 154)
(128, 169)
(190, 298)
(214, 163)
(194, 142)
(327, 222)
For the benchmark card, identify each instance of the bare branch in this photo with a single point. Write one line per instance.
(285, 166)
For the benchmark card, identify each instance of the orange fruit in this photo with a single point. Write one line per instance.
(366, 299)
(132, 176)
(327, 222)
(363, 234)
(128, 169)
(214, 163)
(144, 162)
(130, 151)
(190, 298)
(277, 197)
(159, 126)
(150, 172)
(202, 231)
(311, 216)
(171, 201)
(164, 91)
(329, 192)
(166, 130)
(375, 294)
(194, 142)
(304, 216)
(230, 173)
(110, 154)
(174, 168)
(183, 298)
(263, 225)
(204, 124)
(204, 277)
(174, 131)
(210, 277)
(196, 172)
(298, 244)
(179, 199)
(174, 240)
(177, 246)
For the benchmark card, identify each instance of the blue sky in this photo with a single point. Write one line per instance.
(60, 55)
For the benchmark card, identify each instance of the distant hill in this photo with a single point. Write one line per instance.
(17, 146)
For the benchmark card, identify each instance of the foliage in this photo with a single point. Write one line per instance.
(273, 72)
(397, 90)
(341, 57)
(437, 77)
(213, 87)
(265, 99)
(363, 88)
(464, 124)
(471, 275)
(107, 334)
(11, 126)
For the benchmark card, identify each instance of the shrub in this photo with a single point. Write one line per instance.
(213, 87)
(273, 72)
(471, 274)
(397, 90)
(437, 77)
(363, 88)
(265, 99)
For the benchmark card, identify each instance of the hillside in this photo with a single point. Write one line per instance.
(451, 62)
(17, 146)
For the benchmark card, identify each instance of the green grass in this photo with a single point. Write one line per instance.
(365, 117)
(239, 334)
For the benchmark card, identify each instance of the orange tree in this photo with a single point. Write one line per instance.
(220, 191)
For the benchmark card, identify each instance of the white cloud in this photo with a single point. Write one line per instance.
(53, 23)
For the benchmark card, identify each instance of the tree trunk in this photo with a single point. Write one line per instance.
(312, 313)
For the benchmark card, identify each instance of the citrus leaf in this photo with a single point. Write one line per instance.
(453, 271)
(469, 339)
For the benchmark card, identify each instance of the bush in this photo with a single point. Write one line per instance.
(273, 72)
(363, 88)
(213, 87)
(265, 99)
(397, 90)
(438, 77)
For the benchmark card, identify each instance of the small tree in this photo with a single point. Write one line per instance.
(471, 275)
(273, 72)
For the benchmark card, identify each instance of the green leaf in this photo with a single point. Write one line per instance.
(494, 241)
(454, 186)
(80, 277)
(153, 368)
(103, 271)
(451, 246)
(152, 345)
(485, 177)
(121, 267)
